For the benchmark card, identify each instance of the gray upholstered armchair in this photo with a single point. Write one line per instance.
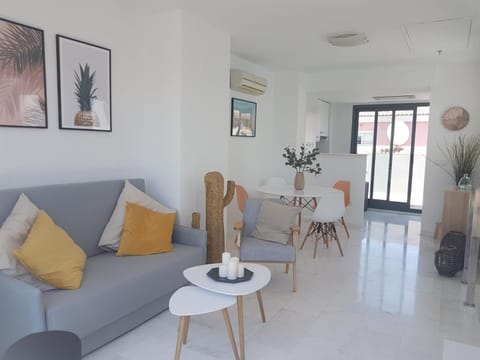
(253, 249)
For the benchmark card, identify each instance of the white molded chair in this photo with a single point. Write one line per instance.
(330, 208)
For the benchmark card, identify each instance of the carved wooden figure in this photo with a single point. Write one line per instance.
(215, 203)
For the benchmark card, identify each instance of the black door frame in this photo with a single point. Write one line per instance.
(387, 204)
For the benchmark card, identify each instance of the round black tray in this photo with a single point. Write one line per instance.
(213, 273)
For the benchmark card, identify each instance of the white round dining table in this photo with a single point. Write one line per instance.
(306, 198)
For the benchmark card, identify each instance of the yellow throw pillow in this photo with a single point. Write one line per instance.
(51, 255)
(145, 231)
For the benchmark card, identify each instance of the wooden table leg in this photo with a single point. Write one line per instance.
(241, 333)
(181, 332)
(260, 304)
(187, 325)
(228, 324)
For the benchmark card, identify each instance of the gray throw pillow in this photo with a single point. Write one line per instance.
(274, 222)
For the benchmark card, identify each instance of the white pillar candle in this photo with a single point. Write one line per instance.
(236, 259)
(222, 270)
(241, 271)
(232, 271)
(226, 257)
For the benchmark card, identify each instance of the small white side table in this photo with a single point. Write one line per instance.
(197, 275)
(191, 300)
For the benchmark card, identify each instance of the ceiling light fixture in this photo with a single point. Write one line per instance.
(395, 97)
(347, 39)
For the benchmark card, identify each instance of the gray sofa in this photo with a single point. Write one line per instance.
(117, 293)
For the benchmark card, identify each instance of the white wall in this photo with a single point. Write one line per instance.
(186, 128)
(453, 85)
(342, 85)
(289, 125)
(161, 132)
(170, 91)
(250, 158)
(46, 156)
(205, 110)
(340, 127)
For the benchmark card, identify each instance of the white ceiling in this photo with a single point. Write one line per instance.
(291, 34)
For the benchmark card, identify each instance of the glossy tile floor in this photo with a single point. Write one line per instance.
(383, 300)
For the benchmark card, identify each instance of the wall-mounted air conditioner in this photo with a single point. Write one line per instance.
(247, 83)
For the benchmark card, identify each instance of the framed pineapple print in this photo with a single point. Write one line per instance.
(84, 85)
(23, 95)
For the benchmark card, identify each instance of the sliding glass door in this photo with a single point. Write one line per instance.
(394, 138)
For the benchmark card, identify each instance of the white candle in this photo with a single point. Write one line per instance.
(222, 270)
(225, 257)
(236, 259)
(232, 271)
(241, 271)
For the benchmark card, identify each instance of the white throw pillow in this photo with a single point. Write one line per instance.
(13, 233)
(274, 221)
(112, 233)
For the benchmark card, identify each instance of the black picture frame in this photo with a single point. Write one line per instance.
(89, 116)
(27, 72)
(246, 127)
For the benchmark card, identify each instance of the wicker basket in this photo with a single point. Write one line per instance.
(457, 239)
(446, 261)
(450, 258)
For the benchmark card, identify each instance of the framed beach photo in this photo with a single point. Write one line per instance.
(84, 85)
(23, 95)
(244, 118)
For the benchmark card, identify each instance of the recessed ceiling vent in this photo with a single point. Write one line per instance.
(394, 97)
(347, 39)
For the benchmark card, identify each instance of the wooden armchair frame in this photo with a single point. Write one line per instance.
(295, 232)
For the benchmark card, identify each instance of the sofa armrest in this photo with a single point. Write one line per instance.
(190, 236)
(21, 311)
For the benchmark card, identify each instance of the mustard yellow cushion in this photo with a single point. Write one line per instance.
(51, 255)
(145, 231)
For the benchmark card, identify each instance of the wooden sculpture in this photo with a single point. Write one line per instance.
(214, 204)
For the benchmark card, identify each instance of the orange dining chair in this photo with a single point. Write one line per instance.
(242, 196)
(344, 185)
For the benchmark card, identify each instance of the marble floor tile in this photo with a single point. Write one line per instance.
(383, 300)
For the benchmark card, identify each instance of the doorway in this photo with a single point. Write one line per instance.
(394, 138)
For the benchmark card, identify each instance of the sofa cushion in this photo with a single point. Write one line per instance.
(146, 232)
(13, 234)
(51, 255)
(274, 222)
(112, 234)
(114, 287)
(253, 249)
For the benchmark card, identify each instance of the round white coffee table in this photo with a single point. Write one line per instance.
(192, 300)
(197, 275)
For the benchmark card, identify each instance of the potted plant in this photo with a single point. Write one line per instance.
(462, 156)
(85, 93)
(302, 160)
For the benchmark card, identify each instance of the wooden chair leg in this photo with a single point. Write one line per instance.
(342, 220)
(294, 266)
(316, 245)
(309, 233)
(286, 268)
(325, 234)
(187, 325)
(180, 336)
(228, 324)
(337, 239)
